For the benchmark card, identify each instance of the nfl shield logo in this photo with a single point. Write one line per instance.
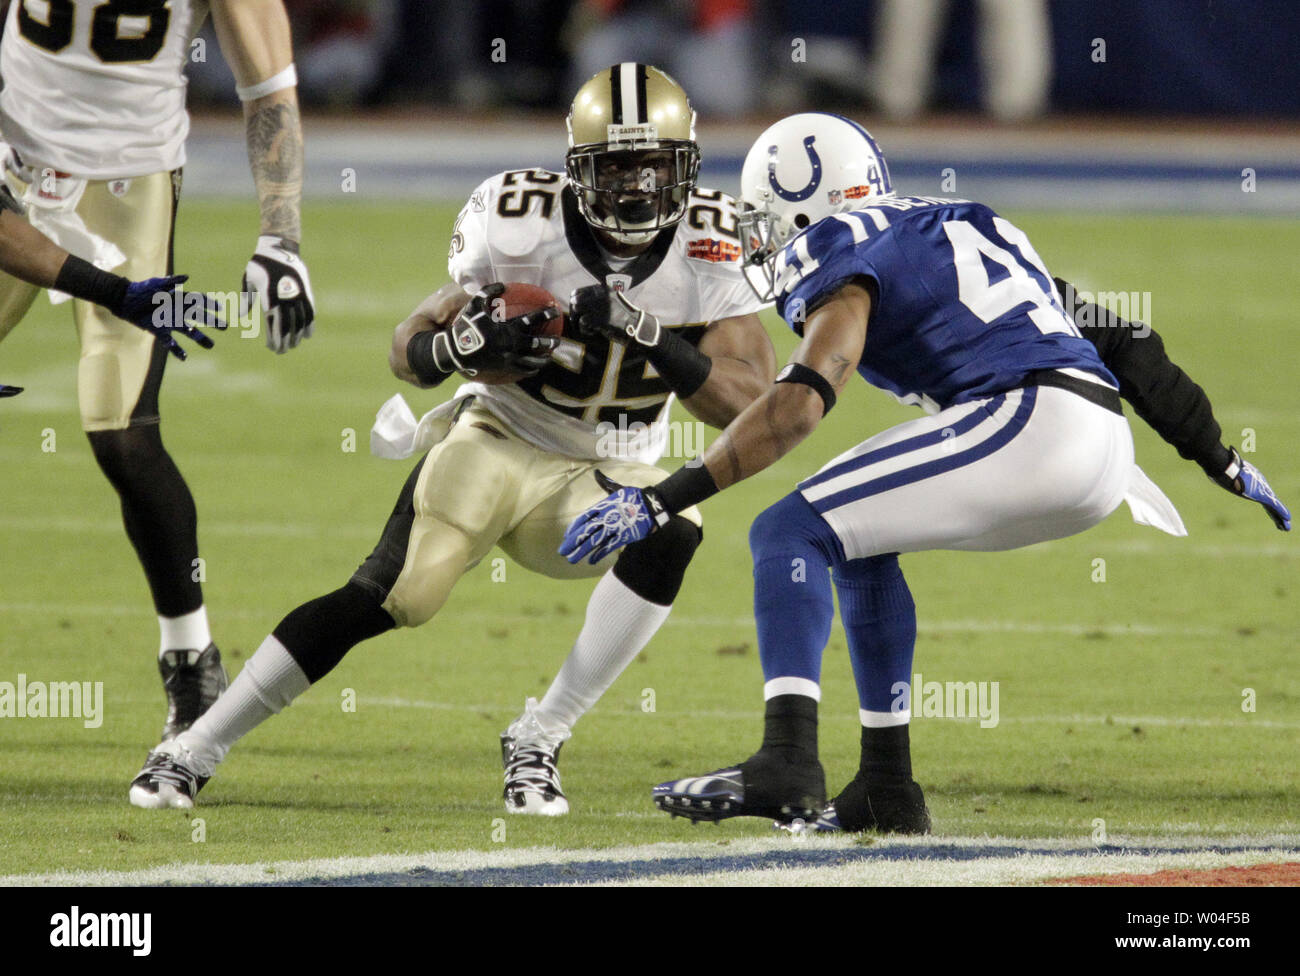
(835, 197)
(119, 187)
(619, 282)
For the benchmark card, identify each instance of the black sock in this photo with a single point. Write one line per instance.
(790, 723)
(318, 633)
(158, 512)
(886, 753)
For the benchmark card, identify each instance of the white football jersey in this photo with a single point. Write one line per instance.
(596, 398)
(97, 89)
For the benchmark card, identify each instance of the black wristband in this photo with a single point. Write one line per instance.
(688, 485)
(799, 373)
(83, 280)
(1215, 464)
(419, 355)
(683, 367)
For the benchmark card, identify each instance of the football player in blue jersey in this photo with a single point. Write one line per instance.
(944, 304)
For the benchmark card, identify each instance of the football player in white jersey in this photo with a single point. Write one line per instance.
(648, 267)
(93, 115)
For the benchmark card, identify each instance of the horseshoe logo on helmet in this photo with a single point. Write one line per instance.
(794, 196)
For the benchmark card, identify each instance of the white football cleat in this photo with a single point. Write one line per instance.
(529, 754)
(171, 777)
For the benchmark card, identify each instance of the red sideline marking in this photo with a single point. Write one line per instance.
(1260, 875)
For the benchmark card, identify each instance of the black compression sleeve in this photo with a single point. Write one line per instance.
(83, 280)
(1161, 393)
(419, 355)
(683, 367)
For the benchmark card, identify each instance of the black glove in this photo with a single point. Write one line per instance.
(476, 341)
(8, 391)
(599, 310)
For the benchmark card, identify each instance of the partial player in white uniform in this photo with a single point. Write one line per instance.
(93, 114)
(647, 267)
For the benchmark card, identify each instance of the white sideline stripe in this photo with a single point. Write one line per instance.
(684, 620)
(990, 870)
(1019, 870)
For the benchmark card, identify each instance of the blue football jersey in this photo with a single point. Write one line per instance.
(965, 308)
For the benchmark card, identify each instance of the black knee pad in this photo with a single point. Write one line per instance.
(654, 567)
(321, 631)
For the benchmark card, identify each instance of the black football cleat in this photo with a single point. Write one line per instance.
(886, 806)
(193, 681)
(783, 785)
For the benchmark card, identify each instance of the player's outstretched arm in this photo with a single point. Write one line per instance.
(256, 41)
(1168, 400)
(792, 407)
(157, 305)
(764, 432)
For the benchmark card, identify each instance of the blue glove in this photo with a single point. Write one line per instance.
(1244, 479)
(628, 515)
(161, 307)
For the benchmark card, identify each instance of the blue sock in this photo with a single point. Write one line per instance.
(880, 622)
(793, 548)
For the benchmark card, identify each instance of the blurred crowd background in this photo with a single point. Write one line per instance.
(1009, 60)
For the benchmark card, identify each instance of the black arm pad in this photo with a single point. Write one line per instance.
(419, 355)
(683, 367)
(1161, 393)
(799, 373)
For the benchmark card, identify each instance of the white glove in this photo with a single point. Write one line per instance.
(278, 277)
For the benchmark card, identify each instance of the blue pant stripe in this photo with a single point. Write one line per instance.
(938, 466)
(967, 423)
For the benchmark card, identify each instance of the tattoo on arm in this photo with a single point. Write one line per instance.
(275, 157)
(733, 459)
(839, 366)
(779, 434)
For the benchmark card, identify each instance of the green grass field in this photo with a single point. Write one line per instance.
(1119, 700)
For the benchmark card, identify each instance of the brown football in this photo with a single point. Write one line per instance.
(520, 299)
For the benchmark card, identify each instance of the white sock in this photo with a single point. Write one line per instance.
(188, 632)
(268, 682)
(619, 623)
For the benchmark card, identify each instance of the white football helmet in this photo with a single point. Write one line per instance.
(802, 169)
